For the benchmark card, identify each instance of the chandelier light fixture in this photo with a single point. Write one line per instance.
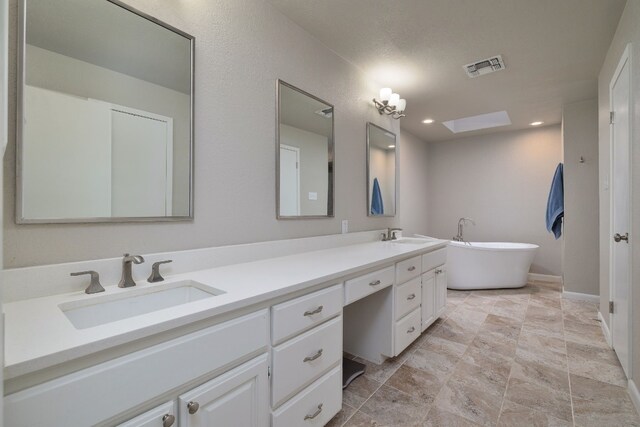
(390, 103)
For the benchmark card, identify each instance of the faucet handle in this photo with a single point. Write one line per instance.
(95, 286)
(155, 271)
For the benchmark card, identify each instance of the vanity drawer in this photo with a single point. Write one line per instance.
(298, 315)
(322, 399)
(407, 330)
(407, 297)
(408, 269)
(300, 361)
(141, 376)
(360, 287)
(434, 259)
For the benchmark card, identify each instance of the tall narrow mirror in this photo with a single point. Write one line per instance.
(104, 120)
(304, 155)
(381, 171)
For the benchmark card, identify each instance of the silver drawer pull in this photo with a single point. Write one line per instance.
(411, 329)
(375, 283)
(410, 297)
(314, 357)
(315, 414)
(411, 268)
(312, 312)
(438, 271)
(168, 420)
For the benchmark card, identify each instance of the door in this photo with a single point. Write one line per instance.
(141, 168)
(289, 181)
(441, 289)
(620, 248)
(428, 299)
(160, 416)
(237, 398)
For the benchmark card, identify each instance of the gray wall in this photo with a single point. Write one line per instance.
(628, 32)
(413, 197)
(581, 245)
(235, 75)
(502, 181)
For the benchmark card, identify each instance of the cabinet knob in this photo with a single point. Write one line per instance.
(410, 297)
(411, 268)
(168, 420)
(411, 329)
(193, 407)
(375, 283)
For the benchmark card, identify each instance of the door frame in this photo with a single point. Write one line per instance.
(299, 195)
(625, 59)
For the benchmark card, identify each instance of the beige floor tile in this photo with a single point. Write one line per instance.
(545, 301)
(488, 360)
(359, 391)
(435, 363)
(473, 404)
(539, 398)
(600, 404)
(511, 309)
(537, 373)
(382, 372)
(389, 406)
(488, 340)
(491, 381)
(598, 363)
(583, 333)
(466, 314)
(341, 417)
(416, 382)
(444, 346)
(362, 420)
(548, 351)
(454, 330)
(514, 415)
(505, 326)
(439, 418)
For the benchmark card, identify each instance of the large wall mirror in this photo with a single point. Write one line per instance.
(381, 171)
(304, 155)
(105, 97)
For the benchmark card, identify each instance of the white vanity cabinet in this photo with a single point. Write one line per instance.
(434, 287)
(237, 398)
(165, 415)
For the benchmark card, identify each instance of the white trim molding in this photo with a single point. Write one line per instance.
(595, 299)
(605, 329)
(536, 277)
(634, 394)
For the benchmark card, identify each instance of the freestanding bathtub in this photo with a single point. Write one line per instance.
(488, 265)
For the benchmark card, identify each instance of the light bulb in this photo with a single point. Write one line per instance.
(402, 104)
(394, 99)
(385, 93)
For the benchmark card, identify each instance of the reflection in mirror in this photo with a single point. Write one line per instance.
(304, 155)
(105, 114)
(381, 171)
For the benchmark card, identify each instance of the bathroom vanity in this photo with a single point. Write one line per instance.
(253, 343)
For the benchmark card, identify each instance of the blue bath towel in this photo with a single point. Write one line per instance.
(555, 204)
(376, 199)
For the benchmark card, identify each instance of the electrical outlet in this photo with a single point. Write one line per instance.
(345, 226)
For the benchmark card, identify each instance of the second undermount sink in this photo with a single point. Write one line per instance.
(411, 241)
(104, 309)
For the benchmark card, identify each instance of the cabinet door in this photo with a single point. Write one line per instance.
(237, 398)
(441, 289)
(160, 416)
(428, 299)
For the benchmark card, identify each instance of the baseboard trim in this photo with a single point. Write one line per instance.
(605, 330)
(634, 394)
(544, 278)
(595, 299)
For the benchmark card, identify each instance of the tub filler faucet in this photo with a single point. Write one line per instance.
(461, 222)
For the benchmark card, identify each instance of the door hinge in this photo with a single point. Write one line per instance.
(610, 307)
(612, 116)
(268, 371)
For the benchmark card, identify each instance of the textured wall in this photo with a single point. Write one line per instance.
(501, 181)
(581, 245)
(242, 47)
(414, 198)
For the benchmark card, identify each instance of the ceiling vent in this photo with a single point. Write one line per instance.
(485, 66)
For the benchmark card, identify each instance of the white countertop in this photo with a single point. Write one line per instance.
(38, 335)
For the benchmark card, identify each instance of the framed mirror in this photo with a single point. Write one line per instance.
(304, 155)
(105, 107)
(382, 169)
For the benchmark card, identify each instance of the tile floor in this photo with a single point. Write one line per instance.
(501, 357)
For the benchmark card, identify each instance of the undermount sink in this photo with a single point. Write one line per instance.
(110, 308)
(411, 241)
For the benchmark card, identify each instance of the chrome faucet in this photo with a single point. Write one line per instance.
(127, 278)
(461, 222)
(390, 234)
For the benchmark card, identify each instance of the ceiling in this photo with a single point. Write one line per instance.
(107, 35)
(552, 49)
